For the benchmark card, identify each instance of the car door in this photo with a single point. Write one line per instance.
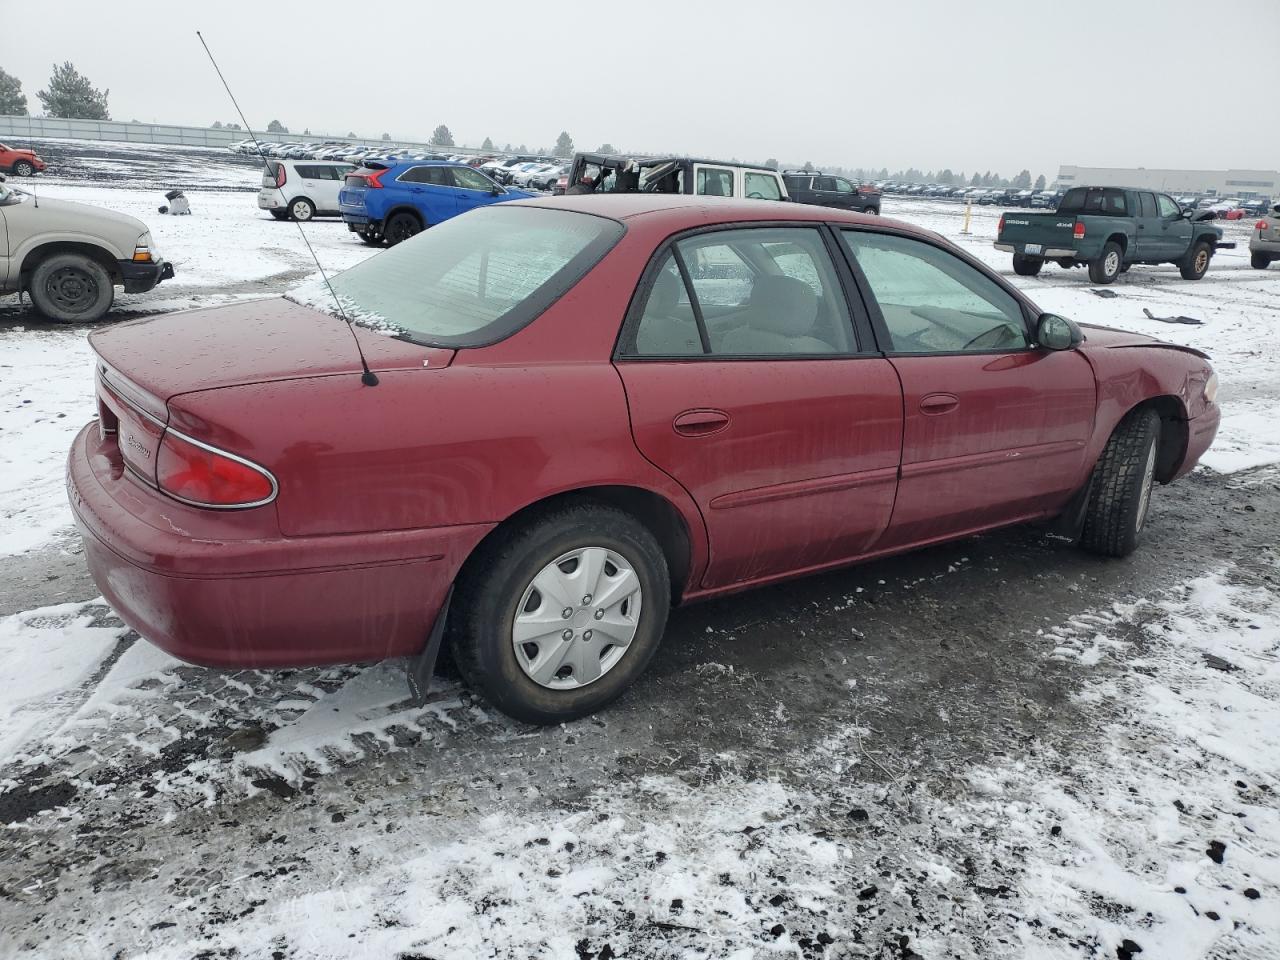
(1146, 221)
(431, 191)
(1175, 230)
(334, 175)
(995, 429)
(746, 383)
(473, 189)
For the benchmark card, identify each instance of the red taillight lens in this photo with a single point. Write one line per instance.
(1261, 225)
(1078, 230)
(281, 176)
(207, 477)
(1000, 226)
(866, 189)
(373, 181)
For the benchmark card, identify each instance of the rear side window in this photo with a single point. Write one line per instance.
(760, 186)
(1103, 201)
(1148, 204)
(714, 182)
(472, 280)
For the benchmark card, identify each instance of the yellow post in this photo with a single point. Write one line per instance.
(968, 208)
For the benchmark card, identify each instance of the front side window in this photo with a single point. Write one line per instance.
(1167, 207)
(468, 179)
(761, 186)
(471, 280)
(714, 182)
(934, 302)
(842, 185)
(753, 292)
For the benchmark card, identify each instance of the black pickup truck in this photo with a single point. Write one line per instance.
(817, 187)
(1108, 229)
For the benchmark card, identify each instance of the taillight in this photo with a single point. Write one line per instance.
(204, 476)
(1261, 225)
(1078, 230)
(373, 181)
(866, 189)
(1000, 226)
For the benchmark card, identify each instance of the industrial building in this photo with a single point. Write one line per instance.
(1245, 184)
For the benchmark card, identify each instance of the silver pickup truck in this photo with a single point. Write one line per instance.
(70, 257)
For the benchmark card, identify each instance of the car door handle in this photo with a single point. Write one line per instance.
(936, 403)
(700, 423)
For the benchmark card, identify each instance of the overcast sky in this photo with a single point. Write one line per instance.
(969, 85)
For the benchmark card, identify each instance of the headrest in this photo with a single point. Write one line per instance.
(665, 295)
(783, 305)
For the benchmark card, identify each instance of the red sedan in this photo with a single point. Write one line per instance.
(582, 410)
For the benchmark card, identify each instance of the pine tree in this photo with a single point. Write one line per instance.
(217, 125)
(275, 126)
(72, 96)
(808, 166)
(1023, 180)
(386, 136)
(772, 163)
(607, 148)
(487, 145)
(564, 144)
(1039, 182)
(441, 137)
(13, 102)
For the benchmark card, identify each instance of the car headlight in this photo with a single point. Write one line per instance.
(144, 251)
(1211, 388)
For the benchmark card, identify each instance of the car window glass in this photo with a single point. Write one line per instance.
(824, 183)
(842, 186)
(468, 179)
(1167, 207)
(1148, 204)
(761, 186)
(759, 292)
(305, 171)
(1105, 201)
(715, 182)
(932, 301)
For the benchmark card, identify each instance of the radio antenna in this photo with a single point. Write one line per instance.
(368, 378)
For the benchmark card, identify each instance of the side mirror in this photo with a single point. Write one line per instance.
(1057, 333)
(497, 191)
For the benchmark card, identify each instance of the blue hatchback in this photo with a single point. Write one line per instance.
(392, 201)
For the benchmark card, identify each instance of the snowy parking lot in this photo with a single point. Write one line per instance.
(996, 748)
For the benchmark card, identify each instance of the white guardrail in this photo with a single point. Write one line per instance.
(20, 128)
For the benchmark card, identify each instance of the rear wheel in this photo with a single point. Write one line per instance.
(1197, 263)
(401, 227)
(1122, 483)
(24, 168)
(555, 617)
(372, 237)
(1027, 266)
(301, 209)
(1259, 261)
(1107, 267)
(72, 288)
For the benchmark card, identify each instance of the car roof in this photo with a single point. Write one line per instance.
(684, 211)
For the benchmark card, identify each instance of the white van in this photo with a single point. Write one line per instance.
(302, 189)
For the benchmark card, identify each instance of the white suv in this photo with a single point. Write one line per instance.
(302, 189)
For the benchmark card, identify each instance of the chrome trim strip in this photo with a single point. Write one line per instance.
(275, 487)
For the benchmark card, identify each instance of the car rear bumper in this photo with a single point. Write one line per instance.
(141, 277)
(258, 602)
(1051, 253)
(1258, 245)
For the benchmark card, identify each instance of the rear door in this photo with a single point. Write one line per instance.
(747, 384)
(1151, 245)
(995, 429)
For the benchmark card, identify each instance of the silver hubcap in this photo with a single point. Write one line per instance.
(1148, 480)
(302, 211)
(1202, 261)
(577, 618)
(1112, 263)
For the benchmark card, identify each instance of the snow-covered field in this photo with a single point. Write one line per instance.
(998, 748)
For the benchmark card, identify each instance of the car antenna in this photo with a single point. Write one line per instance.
(368, 378)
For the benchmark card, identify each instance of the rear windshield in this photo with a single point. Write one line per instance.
(472, 280)
(1104, 201)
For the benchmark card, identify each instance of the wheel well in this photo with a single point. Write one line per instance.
(655, 512)
(1173, 434)
(1120, 240)
(44, 251)
(412, 211)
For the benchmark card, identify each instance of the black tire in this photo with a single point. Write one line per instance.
(1106, 268)
(873, 211)
(401, 227)
(372, 238)
(1259, 261)
(280, 214)
(1118, 505)
(1027, 266)
(71, 288)
(494, 581)
(301, 209)
(1196, 265)
(23, 168)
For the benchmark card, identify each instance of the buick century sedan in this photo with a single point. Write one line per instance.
(580, 411)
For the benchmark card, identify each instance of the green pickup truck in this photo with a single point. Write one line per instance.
(1109, 229)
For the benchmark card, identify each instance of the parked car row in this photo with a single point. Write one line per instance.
(332, 150)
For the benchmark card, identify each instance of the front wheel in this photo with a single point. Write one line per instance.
(1197, 263)
(24, 168)
(72, 288)
(1027, 266)
(554, 618)
(1107, 267)
(1259, 261)
(1122, 483)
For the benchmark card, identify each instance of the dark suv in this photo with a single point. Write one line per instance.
(817, 187)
